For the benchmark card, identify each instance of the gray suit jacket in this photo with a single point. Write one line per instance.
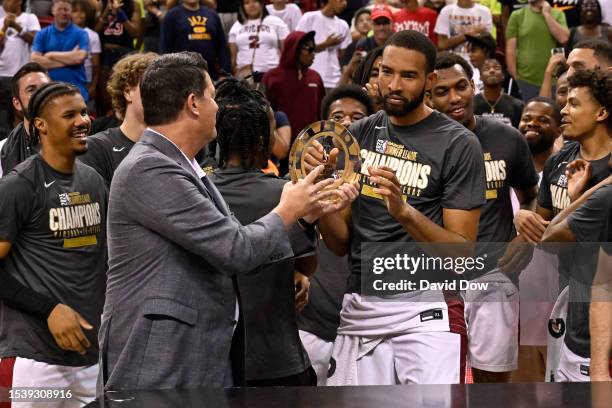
(173, 244)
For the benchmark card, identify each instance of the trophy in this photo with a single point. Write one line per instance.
(343, 167)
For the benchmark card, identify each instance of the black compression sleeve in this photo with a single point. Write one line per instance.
(19, 296)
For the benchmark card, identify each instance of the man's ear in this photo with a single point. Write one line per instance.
(473, 87)
(602, 115)
(192, 105)
(126, 94)
(41, 125)
(432, 77)
(17, 104)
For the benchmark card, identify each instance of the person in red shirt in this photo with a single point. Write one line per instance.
(415, 17)
(293, 87)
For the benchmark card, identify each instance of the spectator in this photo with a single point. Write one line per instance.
(16, 36)
(362, 26)
(83, 15)
(556, 65)
(457, 20)
(331, 39)
(590, 54)
(418, 18)
(289, 13)
(366, 76)
(495, 8)
(482, 47)
(155, 12)
(256, 39)
(532, 33)
(62, 48)
(293, 78)
(493, 102)
(562, 87)
(228, 13)
(590, 27)
(508, 7)
(382, 20)
(192, 27)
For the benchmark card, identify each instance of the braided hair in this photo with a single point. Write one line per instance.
(243, 124)
(41, 98)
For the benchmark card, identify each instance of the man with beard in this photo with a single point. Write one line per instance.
(587, 218)
(108, 148)
(492, 101)
(407, 150)
(538, 281)
(492, 314)
(19, 145)
(53, 254)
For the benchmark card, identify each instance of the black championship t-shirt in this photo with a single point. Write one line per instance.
(591, 223)
(105, 150)
(56, 224)
(508, 110)
(17, 148)
(553, 189)
(273, 346)
(508, 164)
(439, 164)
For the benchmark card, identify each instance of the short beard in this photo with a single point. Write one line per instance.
(406, 108)
(541, 145)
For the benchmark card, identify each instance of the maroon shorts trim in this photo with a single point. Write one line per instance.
(7, 364)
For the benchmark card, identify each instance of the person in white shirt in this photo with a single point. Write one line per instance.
(332, 38)
(17, 31)
(457, 20)
(256, 39)
(289, 13)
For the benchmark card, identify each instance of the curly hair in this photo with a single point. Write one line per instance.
(243, 124)
(599, 83)
(127, 72)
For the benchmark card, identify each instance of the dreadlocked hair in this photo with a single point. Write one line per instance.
(41, 98)
(243, 124)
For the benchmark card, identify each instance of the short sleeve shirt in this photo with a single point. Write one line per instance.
(16, 52)
(56, 224)
(454, 20)
(258, 42)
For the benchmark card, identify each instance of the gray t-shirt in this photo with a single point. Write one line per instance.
(439, 165)
(56, 224)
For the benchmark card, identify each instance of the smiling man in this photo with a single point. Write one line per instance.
(491, 314)
(54, 208)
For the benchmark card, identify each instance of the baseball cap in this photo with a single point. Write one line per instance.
(484, 39)
(381, 11)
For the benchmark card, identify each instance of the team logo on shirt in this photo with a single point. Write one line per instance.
(413, 175)
(422, 27)
(198, 25)
(77, 220)
(558, 194)
(496, 175)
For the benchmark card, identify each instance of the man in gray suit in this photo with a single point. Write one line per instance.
(171, 306)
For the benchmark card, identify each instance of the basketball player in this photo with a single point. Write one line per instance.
(492, 314)
(420, 339)
(53, 254)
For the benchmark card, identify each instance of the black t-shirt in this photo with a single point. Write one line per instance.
(114, 32)
(439, 165)
(17, 148)
(105, 150)
(590, 223)
(228, 6)
(508, 163)
(508, 110)
(321, 316)
(273, 346)
(553, 188)
(56, 224)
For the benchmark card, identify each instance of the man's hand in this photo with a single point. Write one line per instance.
(345, 195)
(545, 7)
(518, 255)
(115, 5)
(477, 29)
(65, 325)
(530, 225)
(331, 41)
(554, 61)
(9, 21)
(302, 288)
(388, 186)
(578, 174)
(315, 155)
(372, 91)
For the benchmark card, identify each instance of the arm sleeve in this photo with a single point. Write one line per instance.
(302, 24)
(96, 48)
(19, 296)
(347, 36)
(171, 201)
(442, 24)
(281, 119)
(282, 30)
(38, 43)
(464, 174)
(33, 24)
(523, 174)
(589, 221)
(16, 199)
(487, 19)
(560, 17)
(84, 41)
(513, 28)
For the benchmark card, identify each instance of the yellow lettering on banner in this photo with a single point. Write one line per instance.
(491, 194)
(80, 241)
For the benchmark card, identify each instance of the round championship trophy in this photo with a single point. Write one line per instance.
(340, 155)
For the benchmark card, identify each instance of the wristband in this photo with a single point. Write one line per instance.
(14, 294)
